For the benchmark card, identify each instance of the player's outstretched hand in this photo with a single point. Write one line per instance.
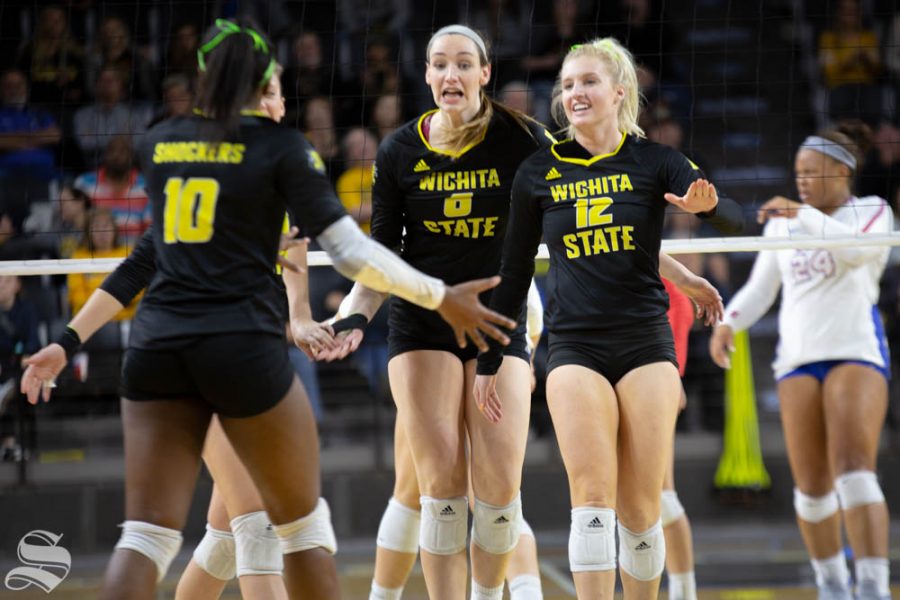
(465, 313)
(42, 369)
(706, 298)
(312, 337)
(778, 206)
(721, 345)
(701, 196)
(487, 399)
(346, 342)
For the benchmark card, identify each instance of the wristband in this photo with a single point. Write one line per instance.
(70, 341)
(354, 321)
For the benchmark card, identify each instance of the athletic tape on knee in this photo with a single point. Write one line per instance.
(525, 528)
(309, 532)
(858, 488)
(159, 544)
(592, 539)
(671, 508)
(642, 555)
(257, 549)
(815, 509)
(443, 527)
(495, 529)
(215, 553)
(399, 528)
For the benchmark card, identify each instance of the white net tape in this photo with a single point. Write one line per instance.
(676, 246)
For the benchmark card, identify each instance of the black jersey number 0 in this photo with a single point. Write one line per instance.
(190, 210)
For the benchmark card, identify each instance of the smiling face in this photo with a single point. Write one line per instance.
(456, 74)
(590, 97)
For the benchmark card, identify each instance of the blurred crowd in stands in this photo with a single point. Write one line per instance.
(81, 80)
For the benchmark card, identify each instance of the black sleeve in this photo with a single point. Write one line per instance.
(680, 172)
(134, 273)
(387, 201)
(300, 178)
(523, 236)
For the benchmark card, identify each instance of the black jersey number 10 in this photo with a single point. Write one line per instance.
(190, 210)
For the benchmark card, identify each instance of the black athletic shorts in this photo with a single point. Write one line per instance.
(399, 343)
(237, 374)
(614, 352)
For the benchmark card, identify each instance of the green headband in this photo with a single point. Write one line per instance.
(228, 28)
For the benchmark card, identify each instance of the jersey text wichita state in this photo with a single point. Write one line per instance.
(602, 219)
(447, 212)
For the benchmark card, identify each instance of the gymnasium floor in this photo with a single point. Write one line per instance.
(757, 561)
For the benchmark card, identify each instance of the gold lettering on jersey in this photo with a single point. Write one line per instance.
(471, 227)
(452, 181)
(601, 240)
(202, 152)
(575, 190)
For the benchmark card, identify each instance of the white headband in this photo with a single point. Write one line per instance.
(831, 149)
(466, 31)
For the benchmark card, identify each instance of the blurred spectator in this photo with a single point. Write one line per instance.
(306, 75)
(502, 23)
(178, 98)
(851, 65)
(60, 225)
(181, 54)
(119, 188)
(518, 96)
(101, 241)
(549, 46)
(110, 115)
(28, 136)
(387, 115)
(880, 174)
(113, 48)
(73, 220)
(18, 339)
(54, 62)
(318, 126)
(354, 186)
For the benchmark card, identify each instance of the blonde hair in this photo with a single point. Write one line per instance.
(458, 138)
(620, 64)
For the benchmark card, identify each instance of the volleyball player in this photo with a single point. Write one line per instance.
(441, 197)
(598, 199)
(208, 335)
(831, 364)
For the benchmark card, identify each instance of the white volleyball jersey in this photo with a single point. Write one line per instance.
(829, 295)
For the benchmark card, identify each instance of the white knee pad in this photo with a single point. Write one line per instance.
(525, 528)
(815, 509)
(215, 553)
(495, 529)
(256, 545)
(592, 539)
(399, 528)
(443, 527)
(671, 508)
(309, 532)
(159, 544)
(642, 555)
(858, 488)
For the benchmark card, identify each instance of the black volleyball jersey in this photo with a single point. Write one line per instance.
(218, 210)
(602, 219)
(446, 213)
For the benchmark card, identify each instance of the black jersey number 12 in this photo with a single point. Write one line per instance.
(190, 210)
